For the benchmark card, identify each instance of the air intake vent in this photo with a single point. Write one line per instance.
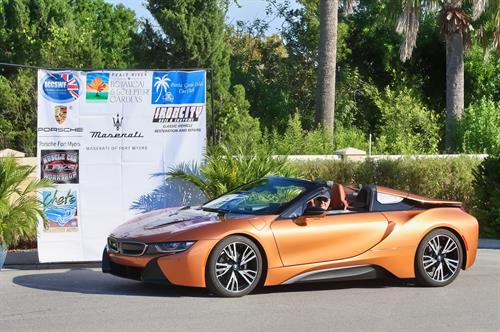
(127, 248)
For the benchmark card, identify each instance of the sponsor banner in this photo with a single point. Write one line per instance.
(106, 139)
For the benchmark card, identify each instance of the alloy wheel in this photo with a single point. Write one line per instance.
(441, 258)
(237, 267)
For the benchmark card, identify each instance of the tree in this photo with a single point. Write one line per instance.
(54, 33)
(189, 34)
(328, 61)
(456, 19)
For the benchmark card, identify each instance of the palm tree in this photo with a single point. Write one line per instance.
(328, 12)
(226, 169)
(456, 18)
(162, 85)
(20, 206)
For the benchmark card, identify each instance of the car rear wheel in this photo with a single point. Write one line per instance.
(439, 258)
(234, 267)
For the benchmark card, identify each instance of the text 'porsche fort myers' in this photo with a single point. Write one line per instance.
(280, 231)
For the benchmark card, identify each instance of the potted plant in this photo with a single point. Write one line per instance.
(20, 206)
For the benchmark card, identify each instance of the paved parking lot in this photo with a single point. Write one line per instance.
(84, 299)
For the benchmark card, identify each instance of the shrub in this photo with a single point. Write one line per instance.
(487, 196)
(350, 137)
(445, 178)
(327, 170)
(291, 141)
(479, 129)
(406, 125)
(296, 141)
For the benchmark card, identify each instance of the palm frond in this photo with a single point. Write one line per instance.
(478, 7)
(225, 169)
(348, 6)
(407, 26)
(20, 206)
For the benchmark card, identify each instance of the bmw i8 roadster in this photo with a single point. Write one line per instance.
(281, 231)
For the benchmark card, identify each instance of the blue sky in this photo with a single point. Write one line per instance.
(250, 10)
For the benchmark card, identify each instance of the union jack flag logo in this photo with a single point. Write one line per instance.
(71, 84)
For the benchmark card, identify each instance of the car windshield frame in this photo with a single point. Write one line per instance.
(273, 181)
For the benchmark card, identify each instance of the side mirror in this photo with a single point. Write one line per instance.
(314, 212)
(310, 213)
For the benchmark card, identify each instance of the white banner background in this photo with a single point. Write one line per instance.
(106, 138)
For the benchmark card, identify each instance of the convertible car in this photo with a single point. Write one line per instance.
(282, 231)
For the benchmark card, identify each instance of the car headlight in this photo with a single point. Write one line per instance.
(169, 247)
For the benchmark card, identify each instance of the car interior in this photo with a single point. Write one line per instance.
(344, 199)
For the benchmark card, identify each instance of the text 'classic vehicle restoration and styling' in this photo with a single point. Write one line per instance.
(281, 231)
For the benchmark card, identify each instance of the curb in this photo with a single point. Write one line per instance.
(489, 244)
(28, 259)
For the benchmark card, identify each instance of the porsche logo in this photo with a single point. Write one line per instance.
(60, 113)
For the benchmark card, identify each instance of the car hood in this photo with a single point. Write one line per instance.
(167, 223)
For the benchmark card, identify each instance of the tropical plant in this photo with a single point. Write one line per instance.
(225, 169)
(456, 19)
(20, 206)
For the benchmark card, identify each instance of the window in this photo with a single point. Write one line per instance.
(388, 199)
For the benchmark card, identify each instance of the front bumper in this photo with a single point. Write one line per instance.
(185, 268)
(150, 273)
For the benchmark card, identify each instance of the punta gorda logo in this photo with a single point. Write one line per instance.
(62, 87)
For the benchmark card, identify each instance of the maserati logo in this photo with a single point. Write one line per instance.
(118, 122)
(60, 114)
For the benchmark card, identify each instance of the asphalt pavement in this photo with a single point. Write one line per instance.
(84, 299)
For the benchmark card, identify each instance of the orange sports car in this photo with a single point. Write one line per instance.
(281, 231)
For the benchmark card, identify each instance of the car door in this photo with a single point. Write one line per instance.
(315, 239)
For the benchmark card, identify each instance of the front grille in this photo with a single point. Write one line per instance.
(127, 248)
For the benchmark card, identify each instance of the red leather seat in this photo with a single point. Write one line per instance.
(338, 201)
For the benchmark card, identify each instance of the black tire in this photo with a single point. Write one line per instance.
(439, 259)
(223, 268)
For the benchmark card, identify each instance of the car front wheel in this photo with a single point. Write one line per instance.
(439, 258)
(234, 267)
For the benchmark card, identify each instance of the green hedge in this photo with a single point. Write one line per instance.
(487, 196)
(461, 179)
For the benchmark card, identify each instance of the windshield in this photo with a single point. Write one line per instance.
(266, 196)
